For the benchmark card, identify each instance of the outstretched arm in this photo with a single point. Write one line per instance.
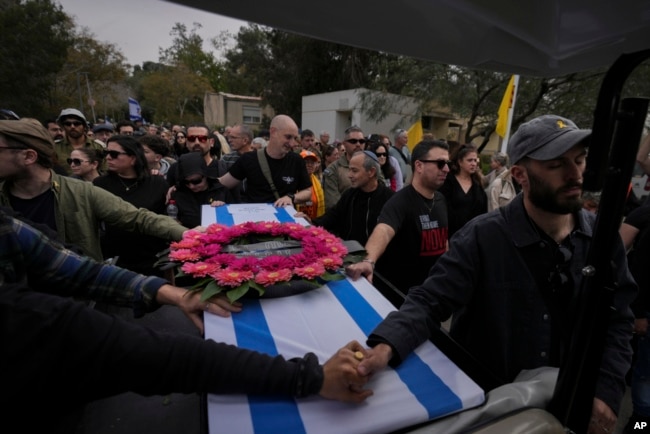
(376, 245)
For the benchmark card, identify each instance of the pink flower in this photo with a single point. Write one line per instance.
(183, 255)
(230, 277)
(331, 262)
(192, 235)
(208, 250)
(185, 243)
(247, 263)
(266, 277)
(215, 228)
(199, 269)
(337, 249)
(311, 271)
(274, 263)
(223, 259)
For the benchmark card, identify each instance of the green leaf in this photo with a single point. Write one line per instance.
(260, 289)
(201, 283)
(210, 290)
(332, 277)
(237, 293)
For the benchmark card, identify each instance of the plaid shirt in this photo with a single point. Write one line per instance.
(27, 256)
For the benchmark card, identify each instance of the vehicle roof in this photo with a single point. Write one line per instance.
(543, 38)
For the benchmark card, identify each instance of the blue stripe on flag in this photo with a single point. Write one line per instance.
(269, 415)
(423, 383)
(223, 216)
(283, 216)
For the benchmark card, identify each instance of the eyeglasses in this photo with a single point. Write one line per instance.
(196, 181)
(381, 154)
(440, 163)
(76, 161)
(355, 141)
(114, 154)
(202, 139)
(559, 277)
(72, 123)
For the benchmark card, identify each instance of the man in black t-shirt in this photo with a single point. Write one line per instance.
(411, 233)
(287, 169)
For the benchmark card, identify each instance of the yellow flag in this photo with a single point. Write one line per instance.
(415, 134)
(504, 108)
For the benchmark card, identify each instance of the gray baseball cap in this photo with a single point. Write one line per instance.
(68, 112)
(545, 138)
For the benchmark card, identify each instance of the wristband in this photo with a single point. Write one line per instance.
(370, 261)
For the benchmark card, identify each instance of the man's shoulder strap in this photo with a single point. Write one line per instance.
(266, 170)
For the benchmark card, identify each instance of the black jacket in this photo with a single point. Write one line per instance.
(355, 214)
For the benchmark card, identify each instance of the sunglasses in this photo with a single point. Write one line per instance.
(559, 277)
(381, 154)
(355, 141)
(202, 139)
(440, 163)
(72, 123)
(76, 161)
(193, 181)
(114, 154)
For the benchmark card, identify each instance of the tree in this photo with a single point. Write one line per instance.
(187, 50)
(174, 94)
(282, 67)
(93, 65)
(33, 47)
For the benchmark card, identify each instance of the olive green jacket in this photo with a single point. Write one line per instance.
(80, 207)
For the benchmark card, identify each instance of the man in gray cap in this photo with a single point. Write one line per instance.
(75, 127)
(71, 207)
(510, 276)
(103, 132)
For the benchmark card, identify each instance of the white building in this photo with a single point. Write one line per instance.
(336, 111)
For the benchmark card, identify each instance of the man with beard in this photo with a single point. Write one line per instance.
(510, 276)
(287, 171)
(75, 127)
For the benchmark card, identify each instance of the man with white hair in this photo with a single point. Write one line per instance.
(401, 152)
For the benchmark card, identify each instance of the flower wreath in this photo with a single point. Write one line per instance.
(234, 259)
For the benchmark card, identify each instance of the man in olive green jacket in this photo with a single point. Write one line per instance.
(71, 207)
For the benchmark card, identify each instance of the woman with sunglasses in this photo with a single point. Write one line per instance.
(128, 177)
(389, 167)
(194, 188)
(84, 163)
(463, 189)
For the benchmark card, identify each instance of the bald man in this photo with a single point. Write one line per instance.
(288, 171)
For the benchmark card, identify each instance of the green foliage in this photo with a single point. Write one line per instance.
(282, 67)
(33, 44)
(187, 50)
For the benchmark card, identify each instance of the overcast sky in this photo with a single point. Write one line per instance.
(139, 27)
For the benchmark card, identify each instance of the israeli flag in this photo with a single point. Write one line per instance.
(426, 386)
(135, 112)
(249, 212)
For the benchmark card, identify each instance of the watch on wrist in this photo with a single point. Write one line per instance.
(292, 197)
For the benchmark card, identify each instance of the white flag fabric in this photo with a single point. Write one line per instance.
(249, 212)
(135, 112)
(426, 386)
